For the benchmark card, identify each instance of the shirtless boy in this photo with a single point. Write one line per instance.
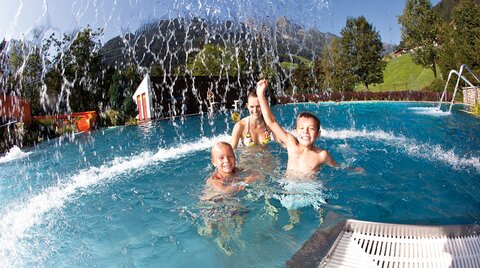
(304, 159)
(303, 156)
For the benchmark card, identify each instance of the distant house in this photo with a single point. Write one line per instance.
(170, 96)
(399, 52)
(143, 98)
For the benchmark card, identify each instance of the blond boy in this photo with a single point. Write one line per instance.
(226, 180)
(220, 210)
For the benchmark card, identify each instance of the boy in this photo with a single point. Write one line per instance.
(220, 209)
(304, 159)
(303, 156)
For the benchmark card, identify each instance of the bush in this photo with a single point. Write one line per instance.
(437, 85)
(131, 122)
(113, 117)
(476, 109)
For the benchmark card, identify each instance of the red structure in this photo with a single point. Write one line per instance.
(15, 108)
(83, 120)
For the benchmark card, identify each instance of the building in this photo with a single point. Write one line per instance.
(170, 96)
(14, 109)
(143, 98)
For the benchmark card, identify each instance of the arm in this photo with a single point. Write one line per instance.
(328, 159)
(281, 135)
(236, 133)
(254, 175)
(331, 162)
(231, 189)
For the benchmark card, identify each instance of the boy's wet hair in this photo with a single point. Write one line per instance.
(310, 115)
(221, 144)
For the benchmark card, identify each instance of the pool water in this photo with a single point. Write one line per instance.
(129, 196)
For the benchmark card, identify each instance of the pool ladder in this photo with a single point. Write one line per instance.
(460, 76)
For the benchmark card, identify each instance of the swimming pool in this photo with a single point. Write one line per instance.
(128, 196)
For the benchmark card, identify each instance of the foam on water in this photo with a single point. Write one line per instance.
(13, 154)
(299, 194)
(411, 147)
(19, 218)
(429, 111)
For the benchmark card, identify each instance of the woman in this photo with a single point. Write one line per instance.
(251, 130)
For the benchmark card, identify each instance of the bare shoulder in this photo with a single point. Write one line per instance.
(241, 124)
(238, 129)
(324, 157)
(321, 153)
(209, 181)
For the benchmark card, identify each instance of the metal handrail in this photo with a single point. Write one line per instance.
(460, 76)
(7, 124)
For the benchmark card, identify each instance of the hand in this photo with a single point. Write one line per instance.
(240, 187)
(359, 169)
(262, 87)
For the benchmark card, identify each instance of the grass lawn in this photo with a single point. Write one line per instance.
(402, 74)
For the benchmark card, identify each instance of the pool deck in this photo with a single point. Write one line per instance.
(352, 243)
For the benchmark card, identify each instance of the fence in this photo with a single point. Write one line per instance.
(14, 109)
(353, 96)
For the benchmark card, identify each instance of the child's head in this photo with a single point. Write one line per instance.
(307, 128)
(223, 158)
(253, 104)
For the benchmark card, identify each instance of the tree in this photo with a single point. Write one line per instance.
(302, 79)
(336, 66)
(362, 48)
(420, 27)
(460, 38)
(25, 71)
(466, 36)
(79, 62)
(214, 60)
(121, 91)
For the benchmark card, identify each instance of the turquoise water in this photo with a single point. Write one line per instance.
(129, 196)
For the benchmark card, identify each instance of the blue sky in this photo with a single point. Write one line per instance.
(18, 18)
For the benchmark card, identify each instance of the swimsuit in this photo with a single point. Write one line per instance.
(248, 141)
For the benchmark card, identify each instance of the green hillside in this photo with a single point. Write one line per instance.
(402, 74)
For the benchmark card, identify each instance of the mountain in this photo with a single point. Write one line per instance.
(387, 49)
(171, 42)
(445, 7)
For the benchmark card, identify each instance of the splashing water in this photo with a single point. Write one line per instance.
(429, 111)
(172, 41)
(14, 153)
(21, 217)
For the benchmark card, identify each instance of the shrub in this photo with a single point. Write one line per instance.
(131, 122)
(437, 85)
(476, 109)
(113, 117)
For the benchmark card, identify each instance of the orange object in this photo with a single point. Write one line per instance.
(83, 124)
(84, 120)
